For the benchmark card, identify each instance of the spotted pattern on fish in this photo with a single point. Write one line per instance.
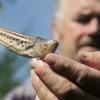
(27, 46)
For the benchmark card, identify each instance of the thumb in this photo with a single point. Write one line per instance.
(91, 59)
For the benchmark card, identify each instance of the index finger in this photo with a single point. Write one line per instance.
(84, 76)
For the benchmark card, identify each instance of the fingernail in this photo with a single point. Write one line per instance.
(34, 61)
(85, 55)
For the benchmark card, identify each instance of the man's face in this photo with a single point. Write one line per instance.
(79, 29)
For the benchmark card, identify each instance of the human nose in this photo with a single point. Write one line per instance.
(93, 27)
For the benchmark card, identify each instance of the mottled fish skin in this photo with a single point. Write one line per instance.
(32, 47)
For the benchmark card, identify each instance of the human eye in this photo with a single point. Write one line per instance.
(98, 18)
(84, 19)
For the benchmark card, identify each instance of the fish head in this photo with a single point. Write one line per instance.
(47, 47)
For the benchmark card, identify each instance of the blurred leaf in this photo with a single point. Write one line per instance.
(1, 6)
(6, 74)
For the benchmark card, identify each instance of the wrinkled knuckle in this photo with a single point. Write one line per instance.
(70, 91)
(83, 77)
(44, 75)
(41, 72)
(65, 88)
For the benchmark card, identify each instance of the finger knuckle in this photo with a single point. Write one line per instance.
(65, 88)
(42, 73)
(83, 77)
(69, 91)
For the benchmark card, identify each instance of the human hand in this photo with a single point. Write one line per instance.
(60, 78)
(92, 59)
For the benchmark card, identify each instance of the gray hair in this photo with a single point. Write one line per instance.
(58, 10)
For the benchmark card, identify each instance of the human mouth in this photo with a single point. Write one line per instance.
(88, 48)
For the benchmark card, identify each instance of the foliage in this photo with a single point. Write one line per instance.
(7, 71)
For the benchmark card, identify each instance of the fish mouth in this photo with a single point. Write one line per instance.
(55, 45)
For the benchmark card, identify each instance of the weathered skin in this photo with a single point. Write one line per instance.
(32, 47)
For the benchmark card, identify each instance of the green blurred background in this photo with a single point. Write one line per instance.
(31, 17)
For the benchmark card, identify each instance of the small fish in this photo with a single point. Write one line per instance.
(32, 47)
